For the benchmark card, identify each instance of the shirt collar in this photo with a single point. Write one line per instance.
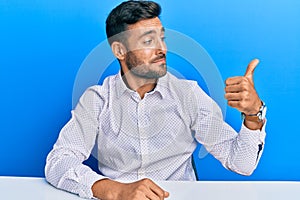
(162, 86)
(120, 85)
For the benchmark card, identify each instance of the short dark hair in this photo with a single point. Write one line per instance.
(129, 12)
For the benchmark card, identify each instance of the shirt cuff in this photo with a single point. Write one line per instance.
(253, 135)
(87, 182)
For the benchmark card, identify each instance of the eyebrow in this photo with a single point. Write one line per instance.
(152, 31)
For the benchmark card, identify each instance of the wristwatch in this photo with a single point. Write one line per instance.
(260, 116)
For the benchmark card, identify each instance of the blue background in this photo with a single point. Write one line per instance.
(43, 43)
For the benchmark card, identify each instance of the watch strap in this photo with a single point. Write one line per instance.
(260, 116)
(252, 118)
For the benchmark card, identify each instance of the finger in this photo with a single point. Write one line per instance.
(234, 80)
(167, 194)
(234, 104)
(233, 96)
(250, 69)
(158, 191)
(153, 191)
(154, 195)
(151, 195)
(234, 88)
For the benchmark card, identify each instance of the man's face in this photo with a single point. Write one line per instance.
(146, 49)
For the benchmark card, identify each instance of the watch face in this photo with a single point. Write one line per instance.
(260, 116)
(262, 113)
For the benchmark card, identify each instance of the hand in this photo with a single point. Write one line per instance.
(240, 91)
(144, 189)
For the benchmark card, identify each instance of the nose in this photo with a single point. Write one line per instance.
(161, 45)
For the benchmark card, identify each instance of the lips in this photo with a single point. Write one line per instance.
(160, 59)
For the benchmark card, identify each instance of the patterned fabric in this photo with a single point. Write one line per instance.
(153, 137)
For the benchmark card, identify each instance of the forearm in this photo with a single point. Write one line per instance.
(106, 189)
(254, 125)
(246, 151)
(65, 170)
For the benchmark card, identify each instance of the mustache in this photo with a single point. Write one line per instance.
(159, 57)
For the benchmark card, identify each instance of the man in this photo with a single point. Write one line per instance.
(146, 123)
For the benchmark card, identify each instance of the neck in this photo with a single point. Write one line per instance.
(139, 84)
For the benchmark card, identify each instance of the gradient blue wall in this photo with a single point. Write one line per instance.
(43, 43)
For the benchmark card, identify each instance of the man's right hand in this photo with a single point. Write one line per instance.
(107, 189)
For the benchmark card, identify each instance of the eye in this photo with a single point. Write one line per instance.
(148, 41)
(163, 38)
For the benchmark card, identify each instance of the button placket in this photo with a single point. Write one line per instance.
(142, 137)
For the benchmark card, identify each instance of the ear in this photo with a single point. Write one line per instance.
(118, 50)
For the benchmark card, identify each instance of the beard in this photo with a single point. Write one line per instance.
(148, 71)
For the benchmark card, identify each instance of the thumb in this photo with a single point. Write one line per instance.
(250, 70)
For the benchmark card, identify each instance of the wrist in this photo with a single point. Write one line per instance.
(255, 121)
(104, 189)
(254, 125)
(258, 117)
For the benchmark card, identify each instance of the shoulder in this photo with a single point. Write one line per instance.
(183, 87)
(101, 91)
(189, 94)
(108, 83)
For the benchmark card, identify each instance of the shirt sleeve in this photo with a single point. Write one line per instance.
(64, 168)
(238, 152)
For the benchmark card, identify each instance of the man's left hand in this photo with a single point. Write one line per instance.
(240, 91)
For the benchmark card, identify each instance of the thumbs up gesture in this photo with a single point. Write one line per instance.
(240, 91)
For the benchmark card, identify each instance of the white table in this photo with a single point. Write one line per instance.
(26, 188)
